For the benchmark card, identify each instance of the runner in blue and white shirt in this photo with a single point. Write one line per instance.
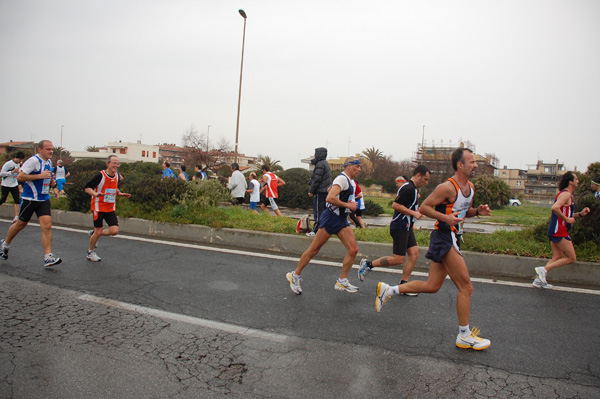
(36, 175)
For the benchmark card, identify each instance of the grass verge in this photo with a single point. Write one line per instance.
(519, 243)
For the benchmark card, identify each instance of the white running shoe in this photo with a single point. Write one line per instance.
(91, 255)
(541, 272)
(294, 282)
(473, 341)
(310, 234)
(50, 260)
(537, 283)
(3, 250)
(382, 295)
(364, 269)
(15, 219)
(344, 285)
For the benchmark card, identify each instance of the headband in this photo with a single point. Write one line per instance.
(355, 162)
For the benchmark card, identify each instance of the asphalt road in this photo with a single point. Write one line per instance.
(213, 322)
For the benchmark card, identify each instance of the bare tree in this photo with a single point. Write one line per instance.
(211, 159)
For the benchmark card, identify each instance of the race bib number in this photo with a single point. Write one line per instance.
(46, 186)
(110, 195)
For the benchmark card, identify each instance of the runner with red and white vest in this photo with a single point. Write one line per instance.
(104, 189)
(271, 182)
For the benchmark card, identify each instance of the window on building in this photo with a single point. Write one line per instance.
(123, 151)
(153, 154)
(143, 153)
(518, 183)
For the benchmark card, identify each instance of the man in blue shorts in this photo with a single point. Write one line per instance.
(450, 203)
(334, 220)
(36, 176)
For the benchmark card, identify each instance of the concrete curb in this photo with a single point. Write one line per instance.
(480, 264)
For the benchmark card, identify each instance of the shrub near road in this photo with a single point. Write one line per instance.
(195, 202)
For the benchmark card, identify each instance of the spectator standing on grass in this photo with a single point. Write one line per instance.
(254, 190)
(563, 216)
(200, 174)
(61, 173)
(596, 186)
(10, 185)
(183, 176)
(167, 171)
(320, 181)
(237, 184)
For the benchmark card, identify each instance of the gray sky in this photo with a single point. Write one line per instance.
(518, 78)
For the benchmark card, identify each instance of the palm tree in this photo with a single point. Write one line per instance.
(374, 155)
(271, 163)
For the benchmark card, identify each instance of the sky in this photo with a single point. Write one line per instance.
(517, 78)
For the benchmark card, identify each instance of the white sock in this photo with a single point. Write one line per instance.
(394, 290)
(464, 331)
(5, 245)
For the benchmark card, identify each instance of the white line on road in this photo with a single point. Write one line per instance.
(230, 328)
(319, 262)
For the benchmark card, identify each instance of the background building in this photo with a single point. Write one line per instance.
(515, 178)
(127, 152)
(438, 158)
(544, 178)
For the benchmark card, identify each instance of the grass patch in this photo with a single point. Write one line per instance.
(519, 243)
(385, 203)
(524, 215)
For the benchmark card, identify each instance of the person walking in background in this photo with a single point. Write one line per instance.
(334, 220)
(563, 216)
(60, 174)
(104, 189)
(596, 187)
(183, 176)
(406, 211)
(320, 181)
(356, 216)
(450, 203)
(167, 171)
(36, 175)
(271, 183)
(237, 184)
(10, 185)
(254, 190)
(200, 174)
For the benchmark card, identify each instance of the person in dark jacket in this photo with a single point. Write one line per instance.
(320, 180)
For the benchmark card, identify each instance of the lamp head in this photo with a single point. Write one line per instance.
(243, 14)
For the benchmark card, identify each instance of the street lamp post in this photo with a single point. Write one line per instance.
(61, 145)
(207, 137)
(237, 128)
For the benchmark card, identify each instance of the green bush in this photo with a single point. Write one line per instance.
(372, 208)
(491, 190)
(152, 192)
(295, 192)
(81, 173)
(203, 194)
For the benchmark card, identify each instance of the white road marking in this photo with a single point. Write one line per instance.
(319, 262)
(230, 328)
